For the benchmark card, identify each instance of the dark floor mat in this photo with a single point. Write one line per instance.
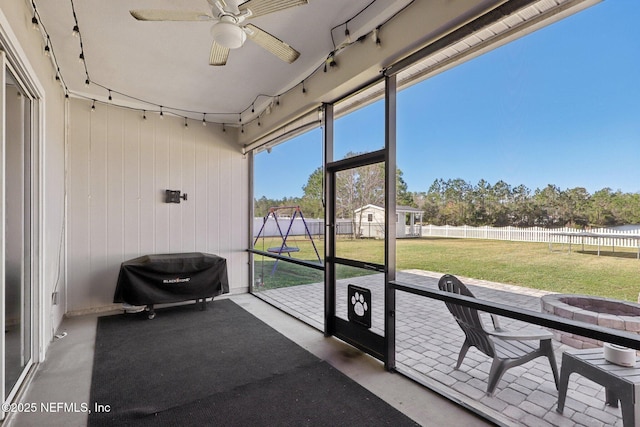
(222, 366)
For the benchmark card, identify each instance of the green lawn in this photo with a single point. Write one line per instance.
(614, 275)
(531, 265)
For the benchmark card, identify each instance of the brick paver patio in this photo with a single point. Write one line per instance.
(428, 341)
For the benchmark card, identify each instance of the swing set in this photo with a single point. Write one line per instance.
(284, 248)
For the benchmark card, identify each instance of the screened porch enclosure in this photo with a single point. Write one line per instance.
(475, 220)
(412, 140)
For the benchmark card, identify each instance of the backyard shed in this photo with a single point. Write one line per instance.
(371, 221)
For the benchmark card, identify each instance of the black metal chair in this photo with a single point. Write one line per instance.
(508, 349)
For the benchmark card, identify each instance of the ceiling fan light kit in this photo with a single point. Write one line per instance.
(228, 34)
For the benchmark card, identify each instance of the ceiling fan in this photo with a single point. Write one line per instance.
(229, 31)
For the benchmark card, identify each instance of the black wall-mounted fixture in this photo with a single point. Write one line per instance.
(174, 196)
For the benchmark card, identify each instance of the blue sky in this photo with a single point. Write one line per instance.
(559, 106)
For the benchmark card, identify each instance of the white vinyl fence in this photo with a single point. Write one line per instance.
(566, 235)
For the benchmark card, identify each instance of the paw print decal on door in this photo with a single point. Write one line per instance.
(359, 305)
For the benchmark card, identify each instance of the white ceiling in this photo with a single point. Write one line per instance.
(167, 63)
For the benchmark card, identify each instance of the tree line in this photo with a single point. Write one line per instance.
(458, 202)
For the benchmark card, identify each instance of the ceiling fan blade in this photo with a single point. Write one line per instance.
(271, 43)
(213, 3)
(219, 55)
(169, 15)
(263, 7)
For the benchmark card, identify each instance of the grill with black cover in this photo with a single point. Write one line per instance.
(170, 278)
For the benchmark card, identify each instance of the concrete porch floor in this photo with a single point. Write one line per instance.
(65, 376)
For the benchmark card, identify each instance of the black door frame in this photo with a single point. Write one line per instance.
(381, 347)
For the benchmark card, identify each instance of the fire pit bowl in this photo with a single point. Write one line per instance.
(606, 312)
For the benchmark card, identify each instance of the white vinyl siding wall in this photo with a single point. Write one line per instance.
(119, 167)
